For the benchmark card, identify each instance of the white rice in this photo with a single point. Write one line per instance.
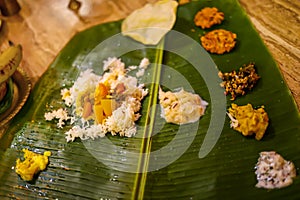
(122, 120)
(60, 114)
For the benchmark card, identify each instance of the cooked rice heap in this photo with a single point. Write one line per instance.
(106, 104)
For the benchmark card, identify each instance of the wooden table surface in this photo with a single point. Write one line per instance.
(44, 27)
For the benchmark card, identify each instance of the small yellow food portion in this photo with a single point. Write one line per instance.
(65, 94)
(151, 22)
(109, 105)
(100, 92)
(32, 164)
(98, 109)
(248, 120)
(104, 106)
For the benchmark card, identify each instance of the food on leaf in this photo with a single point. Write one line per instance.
(109, 105)
(32, 165)
(66, 96)
(87, 108)
(100, 93)
(273, 171)
(104, 104)
(60, 114)
(207, 17)
(248, 120)
(218, 41)
(150, 23)
(238, 83)
(181, 107)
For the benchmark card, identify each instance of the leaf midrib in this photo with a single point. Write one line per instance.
(144, 156)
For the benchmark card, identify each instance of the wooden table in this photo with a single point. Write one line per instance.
(44, 27)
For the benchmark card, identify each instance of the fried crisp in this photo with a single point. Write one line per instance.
(238, 83)
(207, 17)
(248, 120)
(218, 41)
(151, 22)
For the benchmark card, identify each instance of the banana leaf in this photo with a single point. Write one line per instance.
(202, 160)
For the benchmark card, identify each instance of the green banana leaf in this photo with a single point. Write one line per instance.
(163, 161)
